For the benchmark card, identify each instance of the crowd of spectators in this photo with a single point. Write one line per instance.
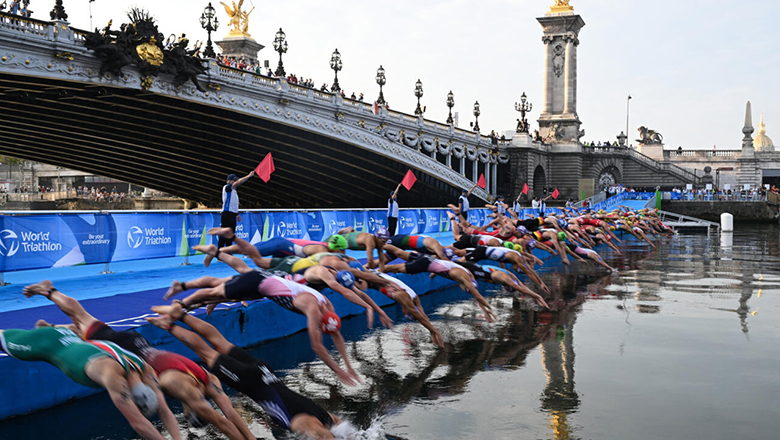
(242, 64)
(17, 7)
(101, 194)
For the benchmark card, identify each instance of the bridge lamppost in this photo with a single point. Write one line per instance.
(381, 80)
(523, 107)
(450, 104)
(210, 23)
(335, 64)
(418, 92)
(280, 45)
(476, 116)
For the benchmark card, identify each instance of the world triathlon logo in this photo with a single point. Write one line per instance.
(281, 229)
(9, 243)
(371, 224)
(135, 237)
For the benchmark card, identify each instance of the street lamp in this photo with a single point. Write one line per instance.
(335, 64)
(418, 92)
(476, 116)
(450, 104)
(381, 80)
(523, 107)
(209, 22)
(280, 45)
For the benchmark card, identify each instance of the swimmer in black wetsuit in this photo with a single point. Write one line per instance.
(253, 377)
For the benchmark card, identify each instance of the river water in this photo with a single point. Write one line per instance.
(682, 342)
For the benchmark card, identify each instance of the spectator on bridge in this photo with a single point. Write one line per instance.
(353, 97)
(230, 205)
(360, 98)
(392, 211)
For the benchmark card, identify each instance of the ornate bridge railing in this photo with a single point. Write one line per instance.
(55, 50)
(680, 172)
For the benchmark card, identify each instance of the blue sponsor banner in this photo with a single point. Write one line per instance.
(334, 221)
(95, 235)
(141, 236)
(376, 220)
(284, 224)
(407, 222)
(314, 226)
(194, 230)
(45, 241)
(359, 221)
(431, 218)
(37, 242)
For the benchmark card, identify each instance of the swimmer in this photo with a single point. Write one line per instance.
(240, 370)
(420, 243)
(410, 303)
(279, 246)
(178, 376)
(589, 254)
(503, 277)
(359, 241)
(295, 297)
(95, 365)
(419, 263)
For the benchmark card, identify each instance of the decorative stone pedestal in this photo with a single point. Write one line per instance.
(522, 140)
(240, 47)
(653, 151)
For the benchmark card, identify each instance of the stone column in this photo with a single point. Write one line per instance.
(568, 79)
(488, 176)
(495, 174)
(573, 92)
(475, 174)
(547, 101)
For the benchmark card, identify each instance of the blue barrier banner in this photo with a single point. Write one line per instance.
(314, 225)
(359, 221)
(432, 219)
(407, 222)
(476, 216)
(95, 235)
(45, 241)
(334, 221)
(194, 231)
(376, 220)
(284, 224)
(141, 236)
(40, 242)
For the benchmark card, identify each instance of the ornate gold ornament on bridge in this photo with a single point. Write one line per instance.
(561, 6)
(150, 52)
(239, 19)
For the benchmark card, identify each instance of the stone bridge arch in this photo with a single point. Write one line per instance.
(539, 180)
(607, 172)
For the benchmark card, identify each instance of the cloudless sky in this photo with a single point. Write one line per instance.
(690, 65)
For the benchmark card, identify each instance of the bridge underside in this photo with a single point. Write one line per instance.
(187, 149)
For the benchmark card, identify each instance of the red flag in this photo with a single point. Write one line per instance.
(555, 193)
(525, 188)
(409, 180)
(376, 108)
(481, 182)
(265, 168)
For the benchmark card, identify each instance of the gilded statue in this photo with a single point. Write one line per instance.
(561, 6)
(239, 19)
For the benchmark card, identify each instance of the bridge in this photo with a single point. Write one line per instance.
(328, 151)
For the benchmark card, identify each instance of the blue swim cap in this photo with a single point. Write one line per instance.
(563, 223)
(356, 265)
(522, 230)
(345, 278)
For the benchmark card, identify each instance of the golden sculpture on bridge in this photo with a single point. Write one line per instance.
(561, 6)
(239, 19)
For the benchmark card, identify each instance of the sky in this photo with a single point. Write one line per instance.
(690, 66)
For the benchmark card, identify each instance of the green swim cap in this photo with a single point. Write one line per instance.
(509, 245)
(337, 243)
(561, 236)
